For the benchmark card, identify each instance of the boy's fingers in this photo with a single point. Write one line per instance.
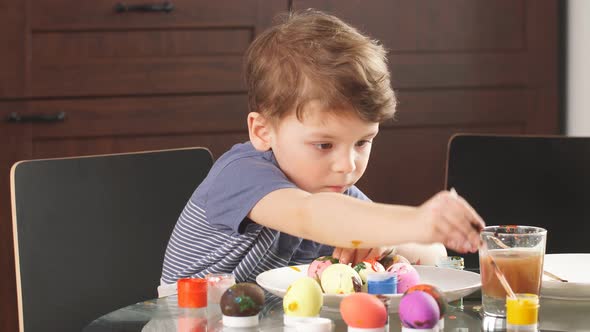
(474, 239)
(375, 253)
(336, 253)
(445, 233)
(458, 218)
(475, 218)
(361, 255)
(476, 223)
(347, 255)
(454, 234)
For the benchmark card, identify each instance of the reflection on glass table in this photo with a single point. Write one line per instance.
(164, 315)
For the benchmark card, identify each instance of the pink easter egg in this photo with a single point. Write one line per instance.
(317, 267)
(407, 276)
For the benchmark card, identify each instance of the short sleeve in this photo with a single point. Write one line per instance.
(237, 188)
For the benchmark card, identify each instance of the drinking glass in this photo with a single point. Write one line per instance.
(218, 283)
(518, 251)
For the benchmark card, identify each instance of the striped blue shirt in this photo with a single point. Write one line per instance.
(213, 233)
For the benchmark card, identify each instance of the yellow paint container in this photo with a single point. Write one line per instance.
(522, 313)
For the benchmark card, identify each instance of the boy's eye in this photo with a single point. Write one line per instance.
(323, 146)
(362, 143)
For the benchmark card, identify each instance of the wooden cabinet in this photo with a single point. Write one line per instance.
(119, 81)
(15, 145)
(13, 40)
(129, 81)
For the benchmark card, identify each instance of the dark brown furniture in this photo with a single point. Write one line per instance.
(129, 81)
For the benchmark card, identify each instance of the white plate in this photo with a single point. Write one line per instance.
(453, 283)
(575, 268)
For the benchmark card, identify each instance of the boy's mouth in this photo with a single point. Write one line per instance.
(338, 189)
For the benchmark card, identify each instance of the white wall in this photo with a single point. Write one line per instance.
(578, 68)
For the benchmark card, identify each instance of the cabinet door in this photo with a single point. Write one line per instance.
(12, 57)
(88, 48)
(112, 125)
(15, 145)
(457, 66)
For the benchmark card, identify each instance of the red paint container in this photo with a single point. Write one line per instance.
(192, 293)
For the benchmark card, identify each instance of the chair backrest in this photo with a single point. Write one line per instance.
(526, 180)
(90, 232)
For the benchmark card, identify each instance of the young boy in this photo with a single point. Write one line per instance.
(318, 90)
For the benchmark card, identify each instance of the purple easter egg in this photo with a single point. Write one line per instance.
(419, 310)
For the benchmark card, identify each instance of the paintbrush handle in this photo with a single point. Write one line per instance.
(551, 275)
(502, 278)
(501, 244)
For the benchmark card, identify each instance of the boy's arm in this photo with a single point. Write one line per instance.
(343, 221)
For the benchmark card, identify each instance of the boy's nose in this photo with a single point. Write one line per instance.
(344, 163)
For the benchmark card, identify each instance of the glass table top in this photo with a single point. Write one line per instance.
(164, 315)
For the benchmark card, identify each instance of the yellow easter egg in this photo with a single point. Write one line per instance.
(303, 298)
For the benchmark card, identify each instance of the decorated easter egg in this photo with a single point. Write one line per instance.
(391, 259)
(340, 279)
(318, 266)
(418, 310)
(303, 298)
(436, 294)
(362, 310)
(407, 276)
(368, 266)
(241, 300)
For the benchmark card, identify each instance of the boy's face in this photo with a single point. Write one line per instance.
(325, 151)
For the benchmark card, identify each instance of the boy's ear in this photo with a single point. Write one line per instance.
(260, 130)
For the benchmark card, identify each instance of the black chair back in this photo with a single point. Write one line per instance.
(526, 180)
(91, 232)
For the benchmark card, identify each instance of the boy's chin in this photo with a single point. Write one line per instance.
(339, 190)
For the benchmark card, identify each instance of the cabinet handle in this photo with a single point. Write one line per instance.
(15, 117)
(121, 7)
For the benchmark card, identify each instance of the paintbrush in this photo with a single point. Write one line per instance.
(501, 244)
(491, 260)
(498, 272)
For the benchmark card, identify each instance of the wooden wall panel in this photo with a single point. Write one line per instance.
(77, 46)
(55, 147)
(158, 115)
(15, 145)
(432, 108)
(407, 164)
(434, 26)
(13, 41)
(57, 15)
(173, 72)
(88, 49)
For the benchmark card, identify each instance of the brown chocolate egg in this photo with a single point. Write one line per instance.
(241, 300)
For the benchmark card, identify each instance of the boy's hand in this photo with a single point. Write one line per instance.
(449, 219)
(355, 256)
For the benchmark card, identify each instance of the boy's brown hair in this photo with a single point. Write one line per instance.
(315, 56)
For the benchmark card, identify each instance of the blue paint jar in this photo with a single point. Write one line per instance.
(381, 283)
